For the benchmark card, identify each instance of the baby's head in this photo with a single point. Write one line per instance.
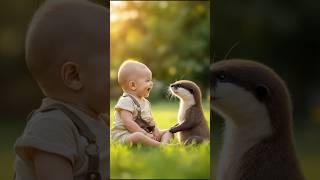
(135, 78)
(67, 48)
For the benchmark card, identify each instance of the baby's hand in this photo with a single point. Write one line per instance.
(157, 135)
(150, 135)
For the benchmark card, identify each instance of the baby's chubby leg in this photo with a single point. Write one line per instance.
(139, 137)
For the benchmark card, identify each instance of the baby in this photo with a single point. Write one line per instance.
(133, 121)
(67, 54)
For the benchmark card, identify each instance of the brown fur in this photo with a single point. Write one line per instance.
(274, 157)
(194, 127)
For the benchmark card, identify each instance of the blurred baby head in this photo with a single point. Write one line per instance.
(67, 52)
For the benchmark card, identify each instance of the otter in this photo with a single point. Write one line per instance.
(192, 125)
(256, 106)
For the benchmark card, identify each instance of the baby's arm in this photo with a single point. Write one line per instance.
(129, 123)
(138, 135)
(157, 134)
(49, 166)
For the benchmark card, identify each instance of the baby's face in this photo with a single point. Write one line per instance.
(144, 83)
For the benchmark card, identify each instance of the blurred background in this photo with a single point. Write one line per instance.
(170, 37)
(19, 92)
(285, 36)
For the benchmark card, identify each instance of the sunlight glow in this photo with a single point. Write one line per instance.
(117, 12)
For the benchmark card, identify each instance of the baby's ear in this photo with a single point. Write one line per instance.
(70, 75)
(132, 85)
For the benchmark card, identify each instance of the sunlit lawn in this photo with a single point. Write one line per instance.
(173, 162)
(165, 162)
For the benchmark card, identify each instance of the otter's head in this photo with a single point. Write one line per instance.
(246, 91)
(186, 90)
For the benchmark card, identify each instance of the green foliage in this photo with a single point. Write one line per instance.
(172, 38)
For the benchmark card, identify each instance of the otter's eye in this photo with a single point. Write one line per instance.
(175, 86)
(221, 77)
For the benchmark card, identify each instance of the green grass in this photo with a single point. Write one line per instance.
(166, 162)
(9, 131)
(310, 164)
(177, 162)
